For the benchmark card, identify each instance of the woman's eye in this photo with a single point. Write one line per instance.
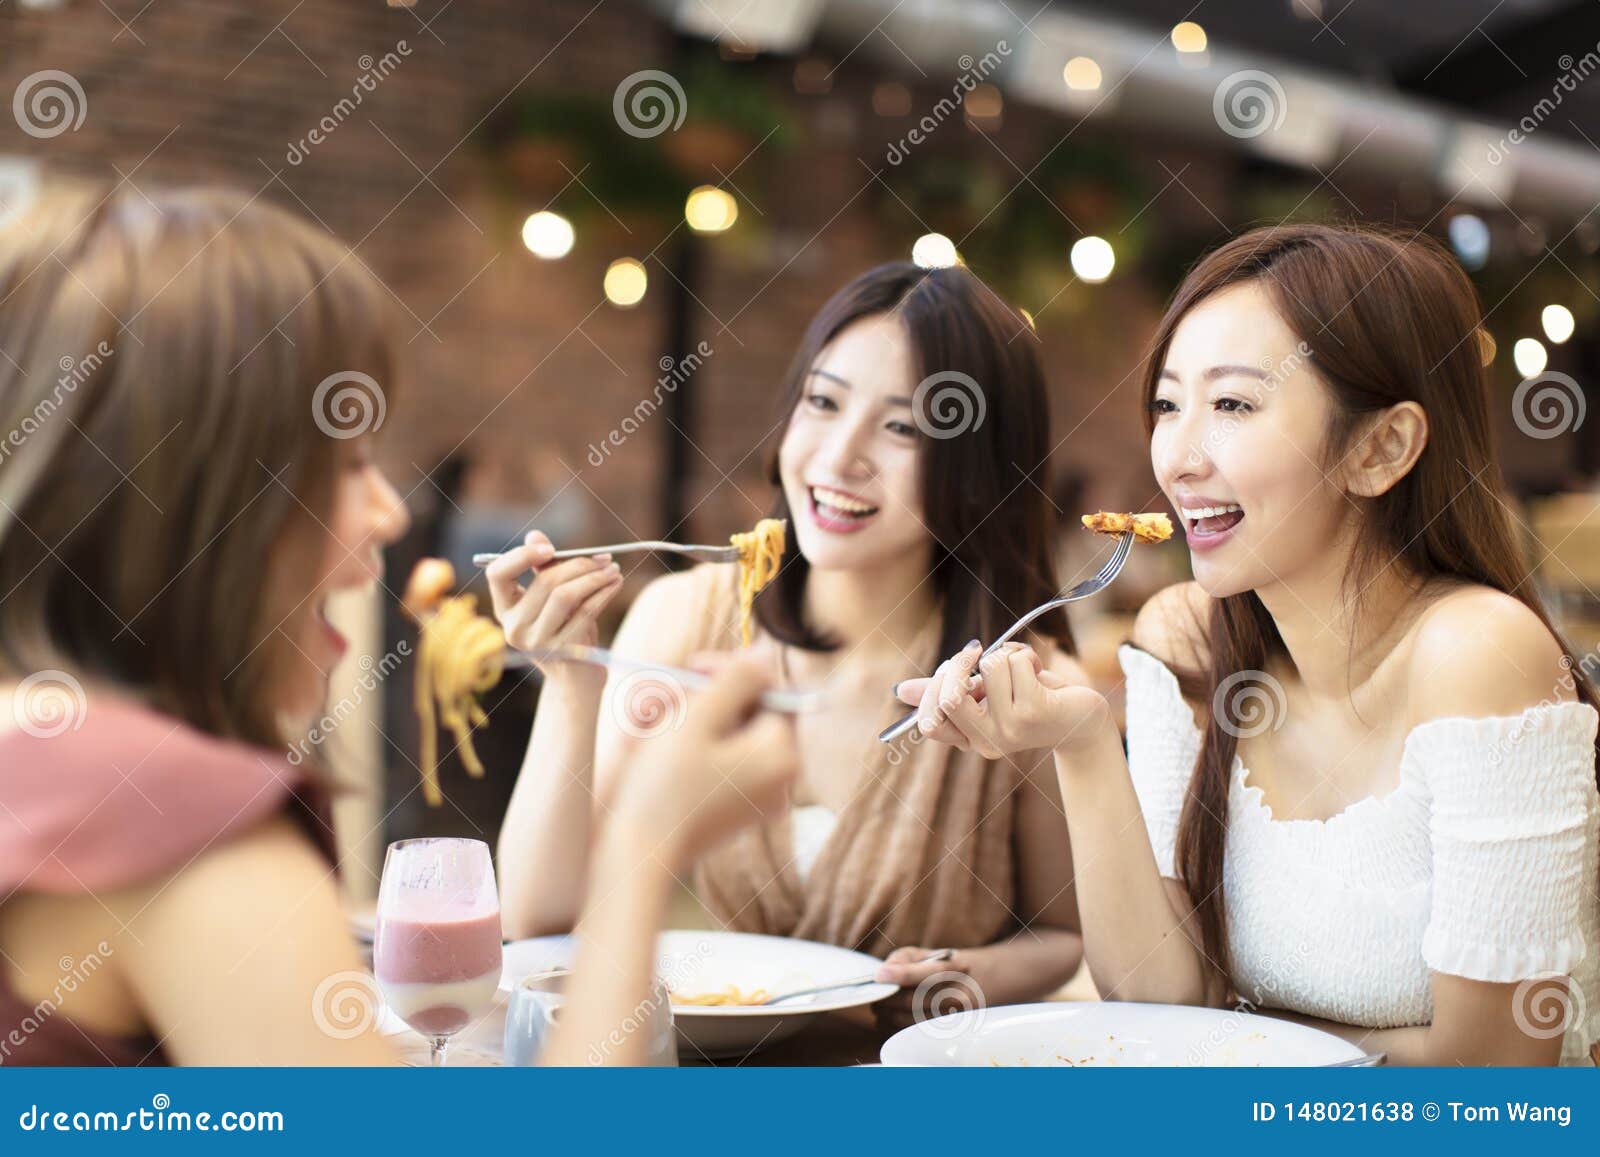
(905, 428)
(1161, 406)
(821, 402)
(1233, 405)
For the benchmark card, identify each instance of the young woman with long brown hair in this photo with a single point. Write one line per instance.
(1360, 775)
(910, 469)
(178, 500)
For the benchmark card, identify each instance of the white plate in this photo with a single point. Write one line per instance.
(1112, 1033)
(694, 962)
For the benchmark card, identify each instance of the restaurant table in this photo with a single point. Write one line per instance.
(833, 1039)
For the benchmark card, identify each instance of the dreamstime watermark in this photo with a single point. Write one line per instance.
(948, 404)
(649, 103)
(348, 404)
(73, 974)
(347, 1004)
(648, 702)
(1562, 692)
(49, 703)
(1249, 703)
(74, 372)
(671, 973)
(674, 372)
(1275, 371)
(160, 1117)
(1546, 1005)
(1573, 73)
(48, 103)
(1266, 992)
(1548, 406)
(1248, 103)
(973, 73)
(373, 73)
(373, 673)
(939, 1001)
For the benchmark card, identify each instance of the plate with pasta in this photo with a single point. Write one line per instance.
(716, 978)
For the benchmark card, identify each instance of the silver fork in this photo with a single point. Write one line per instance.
(703, 553)
(674, 680)
(855, 982)
(1083, 590)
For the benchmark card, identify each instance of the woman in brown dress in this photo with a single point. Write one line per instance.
(911, 470)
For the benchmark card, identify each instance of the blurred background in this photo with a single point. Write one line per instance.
(604, 225)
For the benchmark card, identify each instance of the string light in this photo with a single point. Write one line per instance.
(548, 235)
(625, 282)
(1093, 259)
(935, 251)
(710, 210)
(1189, 37)
(1081, 74)
(1529, 356)
(1558, 323)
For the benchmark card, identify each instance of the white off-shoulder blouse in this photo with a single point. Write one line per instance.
(1484, 863)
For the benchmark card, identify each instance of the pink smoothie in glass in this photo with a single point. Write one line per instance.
(438, 973)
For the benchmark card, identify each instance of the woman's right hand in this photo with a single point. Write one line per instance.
(561, 604)
(1005, 703)
(727, 765)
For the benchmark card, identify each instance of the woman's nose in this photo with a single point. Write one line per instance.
(1180, 451)
(391, 519)
(848, 452)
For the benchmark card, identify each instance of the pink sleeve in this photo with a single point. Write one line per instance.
(128, 796)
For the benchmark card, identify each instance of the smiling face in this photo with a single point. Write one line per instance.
(848, 462)
(367, 515)
(1239, 445)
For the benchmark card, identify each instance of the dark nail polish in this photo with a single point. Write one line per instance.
(895, 690)
(971, 643)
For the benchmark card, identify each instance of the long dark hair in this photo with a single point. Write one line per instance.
(1387, 318)
(983, 489)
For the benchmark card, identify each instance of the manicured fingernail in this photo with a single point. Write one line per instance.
(601, 557)
(614, 569)
(895, 690)
(971, 643)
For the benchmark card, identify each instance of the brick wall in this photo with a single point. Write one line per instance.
(511, 359)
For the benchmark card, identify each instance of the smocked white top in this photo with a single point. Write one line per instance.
(1483, 863)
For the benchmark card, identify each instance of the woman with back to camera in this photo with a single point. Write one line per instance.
(1364, 761)
(175, 513)
(907, 538)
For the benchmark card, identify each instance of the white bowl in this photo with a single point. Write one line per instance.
(1109, 1034)
(694, 962)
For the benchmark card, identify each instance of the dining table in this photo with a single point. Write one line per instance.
(834, 1039)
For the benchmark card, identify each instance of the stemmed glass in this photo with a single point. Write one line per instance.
(436, 945)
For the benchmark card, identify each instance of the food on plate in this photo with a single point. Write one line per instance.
(460, 655)
(726, 997)
(1145, 527)
(760, 551)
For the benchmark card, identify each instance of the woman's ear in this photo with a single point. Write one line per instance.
(1394, 440)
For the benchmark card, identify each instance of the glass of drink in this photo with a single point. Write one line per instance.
(436, 945)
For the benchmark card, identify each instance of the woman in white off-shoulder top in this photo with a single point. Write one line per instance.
(1359, 787)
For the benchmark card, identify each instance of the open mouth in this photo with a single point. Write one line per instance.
(1209, 521)
(835, 510)
(330, 633)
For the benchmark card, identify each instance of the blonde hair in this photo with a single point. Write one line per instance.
(162, 356)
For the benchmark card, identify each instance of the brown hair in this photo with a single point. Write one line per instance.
(157, 440)
(1387, 318)
(983, 490)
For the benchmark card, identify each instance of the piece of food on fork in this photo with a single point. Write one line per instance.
(1151, 528)
(460, 656)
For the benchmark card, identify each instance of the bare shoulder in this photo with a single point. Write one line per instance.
(671, 612)
(242, 876)
(1477, 651)
(1172, 625)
